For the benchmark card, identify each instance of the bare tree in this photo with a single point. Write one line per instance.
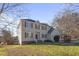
(7, 37)
(13, 11)
(9, 11)
(68, 22)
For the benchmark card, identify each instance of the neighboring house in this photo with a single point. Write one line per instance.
(31, 30)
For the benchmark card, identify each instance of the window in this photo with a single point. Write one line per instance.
(42, 27)
(25, 23)
(45, 27)
(31, 25)
(42, 35)
(45, 36)
(28, 25)
(26, 35)
(37, 26)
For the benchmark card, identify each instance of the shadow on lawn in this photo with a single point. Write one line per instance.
(58, 44)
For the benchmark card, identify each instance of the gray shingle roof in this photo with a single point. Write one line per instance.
(50, 30)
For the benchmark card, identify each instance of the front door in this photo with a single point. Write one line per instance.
(36, 36)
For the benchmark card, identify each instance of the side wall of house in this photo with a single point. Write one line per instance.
(20, 31)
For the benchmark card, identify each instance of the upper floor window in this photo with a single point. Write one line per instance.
(28, 25)
(31, 25)
(25, 23)
(37, 26)
(43, 27)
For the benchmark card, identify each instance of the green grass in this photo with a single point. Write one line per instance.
(39, 50)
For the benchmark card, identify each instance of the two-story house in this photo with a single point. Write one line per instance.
(31, 30)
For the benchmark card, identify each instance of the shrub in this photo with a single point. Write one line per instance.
(48, 41)
(67, 39)
(39, 41)
(28, 42)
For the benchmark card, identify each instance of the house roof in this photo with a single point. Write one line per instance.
(29, 20)
(50, 30)
(36, 21)
(44, 24)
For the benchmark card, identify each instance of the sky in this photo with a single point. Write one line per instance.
(44, 12)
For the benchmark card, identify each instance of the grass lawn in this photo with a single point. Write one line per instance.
(39, 50)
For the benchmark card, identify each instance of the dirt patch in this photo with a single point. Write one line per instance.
(25, 52)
